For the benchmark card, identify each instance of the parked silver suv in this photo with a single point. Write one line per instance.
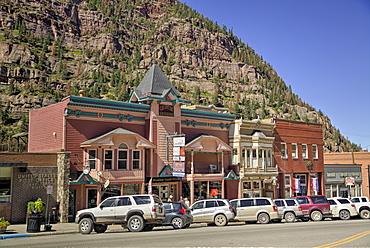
(259, 209)
(217, 211)
(289, 209)
(137, 212)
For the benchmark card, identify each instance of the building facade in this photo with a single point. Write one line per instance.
(298, 154)
(154, 142)
(252, 143)
(356, 167)
(26, 177)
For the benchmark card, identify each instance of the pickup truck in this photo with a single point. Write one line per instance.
(362, 205)
(314, 207)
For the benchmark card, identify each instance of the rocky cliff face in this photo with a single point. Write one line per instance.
(50, 49)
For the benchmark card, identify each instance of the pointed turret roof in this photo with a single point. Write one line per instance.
(156, 83)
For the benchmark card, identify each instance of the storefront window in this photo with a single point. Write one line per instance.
(132, 189)
(5, 184)
(200, 190)
(112, 190)
(215, 188)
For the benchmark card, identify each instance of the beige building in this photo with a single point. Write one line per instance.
(252, 143)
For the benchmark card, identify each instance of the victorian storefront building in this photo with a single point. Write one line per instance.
(154, 140)
(252, 143)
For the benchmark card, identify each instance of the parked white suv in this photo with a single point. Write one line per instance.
(362, 205)
(289, 209)
(136, 212)
(259, 209)
(217, 211)
(342, 208)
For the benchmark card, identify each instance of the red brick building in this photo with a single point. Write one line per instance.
(118, 147)
(298, 153)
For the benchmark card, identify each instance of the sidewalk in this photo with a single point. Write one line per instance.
(19, 230)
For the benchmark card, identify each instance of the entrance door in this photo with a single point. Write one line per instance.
(161, 191)
(72, 205)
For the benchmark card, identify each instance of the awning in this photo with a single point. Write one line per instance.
(84, 179)
(13, 164)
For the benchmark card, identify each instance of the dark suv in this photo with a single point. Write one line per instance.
(177, 215)
(314, 207)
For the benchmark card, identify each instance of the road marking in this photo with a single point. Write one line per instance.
(346, 240)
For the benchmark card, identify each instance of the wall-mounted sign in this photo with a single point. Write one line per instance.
(166, 110)
(178, 169)
(176, 151)
(179, 141)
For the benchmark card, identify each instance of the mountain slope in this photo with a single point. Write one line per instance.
(50, 49)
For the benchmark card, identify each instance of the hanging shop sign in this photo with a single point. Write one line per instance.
(178, 169)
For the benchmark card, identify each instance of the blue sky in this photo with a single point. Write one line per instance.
(321, 48)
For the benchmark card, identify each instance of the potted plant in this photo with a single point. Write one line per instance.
(34, 212)
(3, 225)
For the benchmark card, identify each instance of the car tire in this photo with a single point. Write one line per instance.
(148, 227)
(220, 220)
(135, 223)
(316, 215)
(289, 217)
(344, 215)
(263, 218)
(86, 226)
(365, 214)
(100, 228)
(177, 223)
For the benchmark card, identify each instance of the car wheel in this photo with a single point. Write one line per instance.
(289, 217)
(86, 226)
(100, 228)
(135, 223)
(263, 218)
(148, 227)
(316, 215)
(365, 214)
(220, 220)
(177, 223)
(344, 215)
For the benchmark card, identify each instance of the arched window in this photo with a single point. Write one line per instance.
(122, 156)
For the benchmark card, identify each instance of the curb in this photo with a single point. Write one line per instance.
(26, 235)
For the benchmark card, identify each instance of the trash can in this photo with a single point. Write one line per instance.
(34, 223)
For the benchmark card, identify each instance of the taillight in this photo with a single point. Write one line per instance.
(275, 208)
(183, 210)
(154, 209)
(352, 205)
(299, 208)
(231, 208)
